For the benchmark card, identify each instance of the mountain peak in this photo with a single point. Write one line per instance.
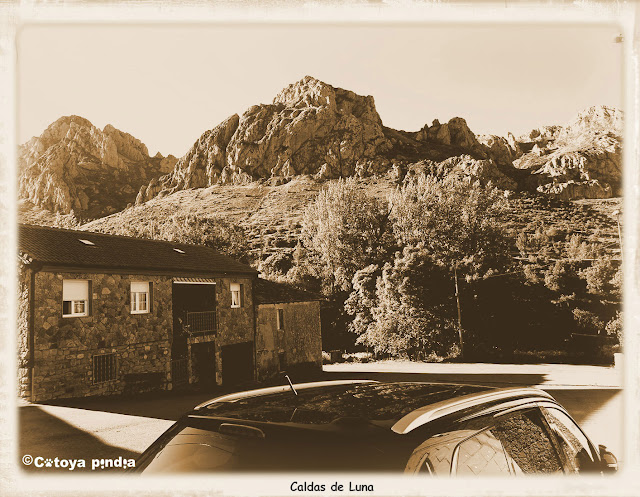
(75, 166)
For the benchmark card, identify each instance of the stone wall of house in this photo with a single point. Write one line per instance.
(24, 380)
(236, 325)
(299, 343)
(64, 346)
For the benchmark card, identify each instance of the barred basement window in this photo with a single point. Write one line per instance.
(104, 368)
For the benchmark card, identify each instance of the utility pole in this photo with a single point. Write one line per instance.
(455, 277)
(617, 214)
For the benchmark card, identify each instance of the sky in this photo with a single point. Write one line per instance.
(166, 84)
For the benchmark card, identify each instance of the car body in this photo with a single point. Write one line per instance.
(362, 425)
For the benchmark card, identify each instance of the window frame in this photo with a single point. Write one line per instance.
(280, 318)
(594, 454)
(239, 289)
(135, 296)
(73, 302)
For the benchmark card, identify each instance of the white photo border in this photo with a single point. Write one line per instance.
(13, 16)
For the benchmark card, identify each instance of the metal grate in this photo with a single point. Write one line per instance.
(104, 368)
(179, 372)
(201, 322)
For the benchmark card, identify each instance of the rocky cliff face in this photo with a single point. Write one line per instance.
(312, 128)
(309, 128)
(75, 166)
(580, 160)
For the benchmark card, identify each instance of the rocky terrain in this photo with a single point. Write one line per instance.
(315, 130)
(580, 160)
(74, 166)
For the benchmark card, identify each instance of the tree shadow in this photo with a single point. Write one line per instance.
(42, 434)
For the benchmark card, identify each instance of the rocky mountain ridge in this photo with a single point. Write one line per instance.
(74, 166)
(312, 128)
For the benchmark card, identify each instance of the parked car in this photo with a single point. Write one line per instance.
(426, 428)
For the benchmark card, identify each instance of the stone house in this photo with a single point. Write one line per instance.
(103, 314)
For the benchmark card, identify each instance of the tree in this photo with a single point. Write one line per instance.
(217, 233)
(346, 230)
(456, 221)
(413, 308)
(362, 299)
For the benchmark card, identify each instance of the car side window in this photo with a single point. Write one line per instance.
(573, 443)
(527, 443)
(482, 454)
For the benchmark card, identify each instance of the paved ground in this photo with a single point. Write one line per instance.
(109, 428)
(544, 375)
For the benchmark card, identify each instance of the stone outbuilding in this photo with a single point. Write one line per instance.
(104, 314)
(288, 329)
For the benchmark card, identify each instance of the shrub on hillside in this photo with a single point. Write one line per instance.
(587, 322)
(562, 277)
(599, 276)
(577, 248)
(614, 327)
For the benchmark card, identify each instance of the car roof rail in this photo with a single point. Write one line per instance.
(429, 413)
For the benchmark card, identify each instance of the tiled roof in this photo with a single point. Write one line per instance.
(271, 292)
(61, 247)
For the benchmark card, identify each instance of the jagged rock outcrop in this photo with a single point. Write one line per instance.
(502, 150)
(571, 190)
(310, 128)
(455, 133)
(585, 154)
(482, 170)
(74, 166)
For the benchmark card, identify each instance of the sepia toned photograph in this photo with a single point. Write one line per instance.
(321, 248)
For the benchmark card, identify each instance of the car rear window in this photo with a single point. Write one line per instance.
(193, 450)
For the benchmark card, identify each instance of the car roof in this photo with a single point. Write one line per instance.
(326, 402)
(401, 406)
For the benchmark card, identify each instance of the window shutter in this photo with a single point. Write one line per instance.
(90, 297)
(139, 286)
(241, 295)
(150, 303)
(75, 290)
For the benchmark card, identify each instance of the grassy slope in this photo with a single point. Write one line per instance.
(272, 215)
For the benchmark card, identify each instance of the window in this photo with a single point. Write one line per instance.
(573, 444)
(75, 298)
(140, 294)
(527, 443)
(237, 295)
(104, 368)
(280, 319)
